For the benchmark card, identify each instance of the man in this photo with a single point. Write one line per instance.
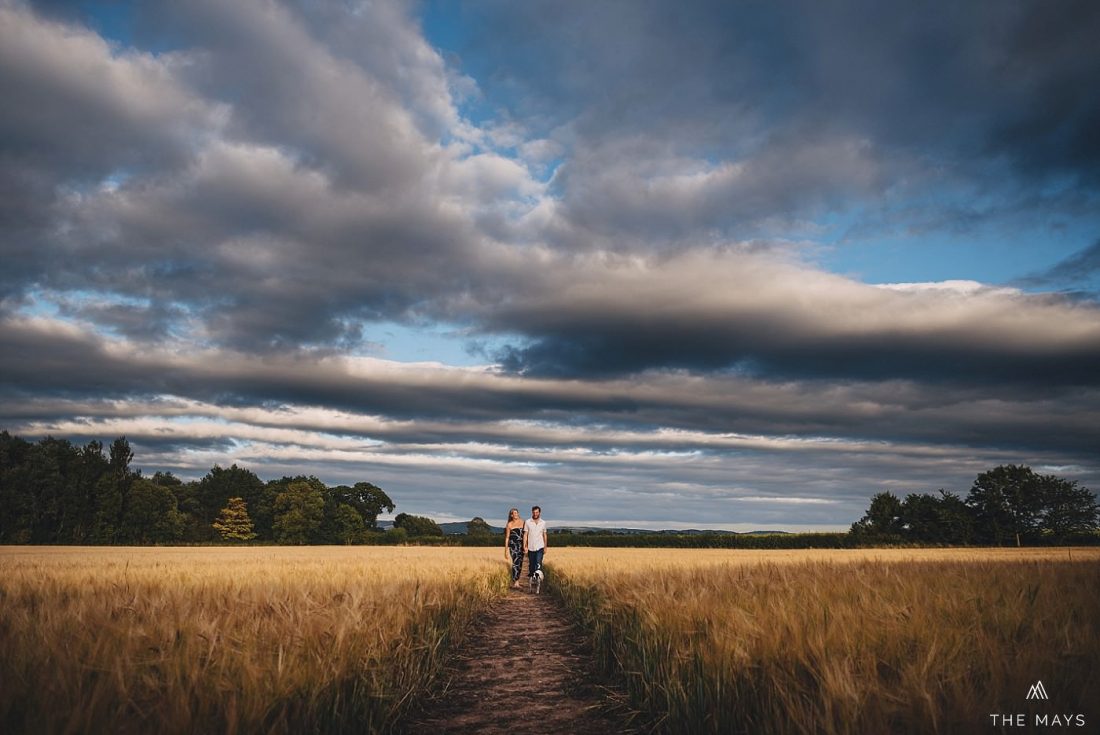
(534, 544)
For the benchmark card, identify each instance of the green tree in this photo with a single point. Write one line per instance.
(920, 517)
(882, 521)
(350, 527)
(16, 505)
(150, 516)
(187, 499)
(395, 536)
(220, 484)
(1007, 502)
(943, 518)
(417, 525)
(166, 479)
(112, 493)
(48, 490)
(45, 478)
(956, 518)
(1068, 508)
(234, 523)
(81, 506)
(369, 500)
(326, 532)
(299, 512)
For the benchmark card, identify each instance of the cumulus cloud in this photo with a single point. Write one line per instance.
(78, 111)
(133, 109)
(629, 189)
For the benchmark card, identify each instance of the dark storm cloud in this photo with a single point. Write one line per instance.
(583, 349)
(47, 358)
(1052, 64)
(763, 316)
(49, 365)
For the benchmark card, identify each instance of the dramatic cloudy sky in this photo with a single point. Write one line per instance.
(657, 264)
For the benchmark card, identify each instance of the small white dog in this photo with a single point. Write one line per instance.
(536, 581)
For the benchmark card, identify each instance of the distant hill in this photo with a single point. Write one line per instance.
(460, 528)
(667, 531)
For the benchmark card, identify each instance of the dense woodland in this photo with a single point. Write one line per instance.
(1008, 505)
(53, 492)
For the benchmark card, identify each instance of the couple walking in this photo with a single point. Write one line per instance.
(525, 537)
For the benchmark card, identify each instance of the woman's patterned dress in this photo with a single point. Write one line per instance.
(515, 548)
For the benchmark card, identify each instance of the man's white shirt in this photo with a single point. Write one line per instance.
(535, 531)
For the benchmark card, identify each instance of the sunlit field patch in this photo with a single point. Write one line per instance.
(868, 641)
(229, 640)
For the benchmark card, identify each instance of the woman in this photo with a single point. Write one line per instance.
(513, 544)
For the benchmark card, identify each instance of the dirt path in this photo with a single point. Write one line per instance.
(495, 687)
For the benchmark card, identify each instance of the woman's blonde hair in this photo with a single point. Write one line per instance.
(513, 510)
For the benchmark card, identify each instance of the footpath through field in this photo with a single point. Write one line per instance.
(524, 669)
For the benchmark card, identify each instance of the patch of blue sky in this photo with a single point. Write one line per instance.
(113, 21)
(994, 234)
(444, 25)
(198, 419)
(985, 256)
(545, 172)
(476, 109)
(86, 296)
(456, 31)
(447, 27)
(116, 179)
(118, 21)
(112, 182)
(69, 306)
(59, 304)
(37, 304)
(445, 344)
(949, 237)
(834, 225)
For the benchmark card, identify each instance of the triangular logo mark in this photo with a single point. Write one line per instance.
(1037, 691)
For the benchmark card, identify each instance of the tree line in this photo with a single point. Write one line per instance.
(52, 492)
(1007, 505)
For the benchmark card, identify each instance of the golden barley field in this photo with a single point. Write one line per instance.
(229, 640)
(836, 641)
(324, 639)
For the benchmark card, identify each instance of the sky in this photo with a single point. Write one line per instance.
(646, 264)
